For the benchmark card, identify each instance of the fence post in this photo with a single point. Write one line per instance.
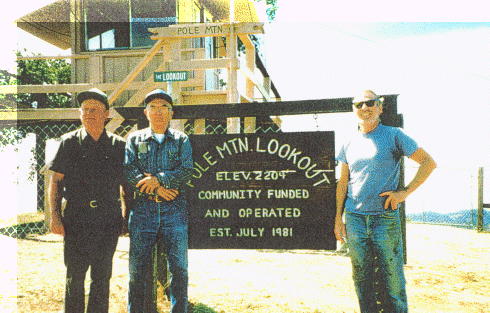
(403, 216)
(150, 293)
(479, 222)
(40, 157)
(46, 173)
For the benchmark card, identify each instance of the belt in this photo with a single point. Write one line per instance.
(155, 198)
(84, 203)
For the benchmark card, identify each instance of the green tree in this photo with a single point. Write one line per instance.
(271, 8)
(8, 101)
(39, 72)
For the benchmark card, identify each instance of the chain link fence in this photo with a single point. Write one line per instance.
(433, 212)
(41, 132)
(464, 218)
(449, 197)
(13, 135)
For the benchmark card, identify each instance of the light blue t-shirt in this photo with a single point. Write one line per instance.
(374, 166)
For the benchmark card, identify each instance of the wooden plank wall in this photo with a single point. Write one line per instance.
(115, 68)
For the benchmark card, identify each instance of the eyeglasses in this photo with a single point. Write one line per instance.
(369, 103)
(162, 108)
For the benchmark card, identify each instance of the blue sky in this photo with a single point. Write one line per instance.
(389, 30)
(440, 70)
(439, 66)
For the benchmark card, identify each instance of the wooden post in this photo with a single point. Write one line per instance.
(131, 76)
(47, 209)
(250, 64)
(150, 302)
(391, 117)
(250, 123)
(95, 69)
(175, 50)
(200, 126)
(178, 124)
(232, 123)
(76, 28)
(171, 53)
(403, 218)
(268, 86)
(77, 42)
(479, 222)
(158, 262)
(40, 156)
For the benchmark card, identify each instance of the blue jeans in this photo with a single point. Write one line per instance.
(149, 220)
(377, 239)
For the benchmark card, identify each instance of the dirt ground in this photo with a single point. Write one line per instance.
(448, 271)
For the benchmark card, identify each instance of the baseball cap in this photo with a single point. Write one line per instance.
(158, 94)
(93, 93)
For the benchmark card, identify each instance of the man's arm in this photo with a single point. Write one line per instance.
(166, 183)
(137, 179)
(55, 188)
(174, 179)
(340, 195)
(131, 171)
(427, 165)
(125, 202)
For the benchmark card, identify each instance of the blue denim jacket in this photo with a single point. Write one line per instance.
(171, 162)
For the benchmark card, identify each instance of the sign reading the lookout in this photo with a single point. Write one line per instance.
(170, 76)
(263, 191)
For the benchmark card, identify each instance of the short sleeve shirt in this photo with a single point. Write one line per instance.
(374, 162)
(93, 170)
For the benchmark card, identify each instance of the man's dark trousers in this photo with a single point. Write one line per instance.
(89, 242)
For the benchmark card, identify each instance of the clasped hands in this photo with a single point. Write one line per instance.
(150, 184)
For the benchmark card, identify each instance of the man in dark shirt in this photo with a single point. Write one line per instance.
(88, 173)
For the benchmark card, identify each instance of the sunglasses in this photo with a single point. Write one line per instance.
(369, 103)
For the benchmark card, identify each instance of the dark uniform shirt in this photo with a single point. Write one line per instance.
(93, 172)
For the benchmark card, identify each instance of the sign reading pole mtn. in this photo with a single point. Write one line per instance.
(262, 191)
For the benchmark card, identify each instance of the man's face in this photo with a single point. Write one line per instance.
(158, 113)
(365, 112)
(93, 114)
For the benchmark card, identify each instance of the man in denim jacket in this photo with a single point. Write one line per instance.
(158, 163)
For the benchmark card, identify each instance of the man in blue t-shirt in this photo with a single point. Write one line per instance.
(368, 190)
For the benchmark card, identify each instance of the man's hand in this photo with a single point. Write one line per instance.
(148, 184)
(339, 229)
(393, 198)
(167, 194)
(56, 226)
